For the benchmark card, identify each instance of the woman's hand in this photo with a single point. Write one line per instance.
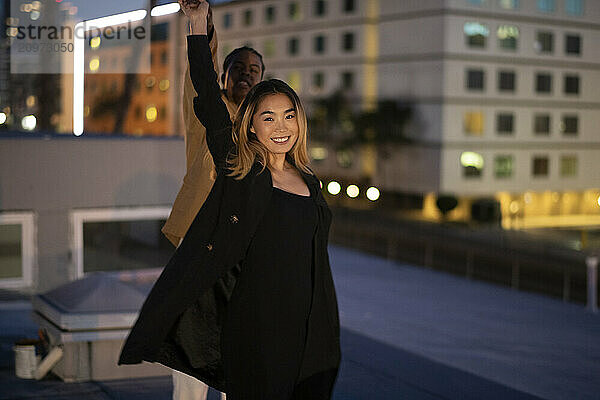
(197, 11)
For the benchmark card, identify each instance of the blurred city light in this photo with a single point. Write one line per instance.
(514, 207)
(94, 64)
(165, 9)
(318, 153)
(29, 122)
(372, 193)
(352, 191)
(164, 85)
(116, 19)
(78, 59)
(598, 200)
(151, 113)
(334, 188)
(95, 42)
(471, 159)
(30, 101)
(2, 118)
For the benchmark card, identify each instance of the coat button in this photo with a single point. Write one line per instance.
(234, 219)
(209, 247)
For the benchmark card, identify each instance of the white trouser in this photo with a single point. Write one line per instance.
(186, 387)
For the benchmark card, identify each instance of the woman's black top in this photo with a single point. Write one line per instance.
(265, 327)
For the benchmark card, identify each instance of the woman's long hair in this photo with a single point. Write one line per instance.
(247, 147)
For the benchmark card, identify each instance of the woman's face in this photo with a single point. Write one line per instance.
(275, 124)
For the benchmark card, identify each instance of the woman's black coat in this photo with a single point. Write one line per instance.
(179, 324)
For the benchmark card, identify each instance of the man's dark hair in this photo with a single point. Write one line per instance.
(233, 55)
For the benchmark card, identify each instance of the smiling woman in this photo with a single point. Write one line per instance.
(247, 303)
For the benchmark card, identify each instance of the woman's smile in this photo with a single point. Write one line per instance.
(280, 139)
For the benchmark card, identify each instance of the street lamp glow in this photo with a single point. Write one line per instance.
(2, 118)
(372, 193)
(29, 122)
(165, 9)
(334, 188)
(598, 200)
(116, 19)
(352, 191)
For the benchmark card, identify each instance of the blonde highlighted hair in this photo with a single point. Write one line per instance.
(248, 149)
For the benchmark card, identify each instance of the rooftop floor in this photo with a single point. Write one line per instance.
(407, 332)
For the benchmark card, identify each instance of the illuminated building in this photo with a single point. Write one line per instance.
(152, 108)
(504, 94)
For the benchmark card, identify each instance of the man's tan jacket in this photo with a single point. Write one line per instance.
(200, 169)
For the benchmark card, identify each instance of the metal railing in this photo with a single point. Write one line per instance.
(510, 258)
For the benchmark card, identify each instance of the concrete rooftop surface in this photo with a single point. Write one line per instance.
(407, 333)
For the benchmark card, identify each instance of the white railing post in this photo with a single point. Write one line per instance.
(592, 283)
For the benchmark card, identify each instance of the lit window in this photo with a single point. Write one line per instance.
(571, 84)
(248, 17)
(318, 153)
(348, 41)
(295, 80)
(509, 4)
(570, 125)
(472, 164)
(227, 20)
(541, 124)
(540, 166)
(568, 166)
(320, 8)
(574, 7)
(349, 6)
(164, 85)
(503, 166)
(269, 48)
(319, 44)
(293, 46)
(270, 14)
(150, 82)
(508, 36)
(151, 113)
(473, 123)
(506, 81)
(294, 12)
(546, 5)
(476, 34)
(475, 79)
(505, 123)
(543, 83)
(544, 42)
(573, 44)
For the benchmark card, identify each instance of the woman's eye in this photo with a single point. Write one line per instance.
(268, 119)
(290, 116)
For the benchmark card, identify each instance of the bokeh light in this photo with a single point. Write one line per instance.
(29, 122)
(334, 188)
(372, 193)
(352, 191)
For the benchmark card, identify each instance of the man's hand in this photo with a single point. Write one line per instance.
(197, 11)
